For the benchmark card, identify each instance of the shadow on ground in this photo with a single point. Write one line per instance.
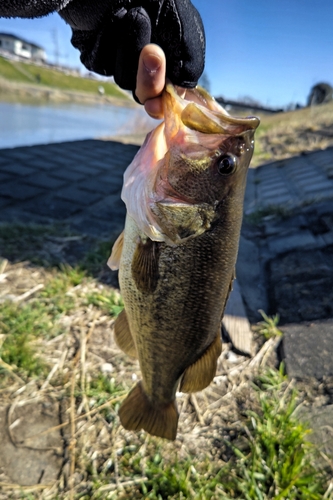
(54, 245)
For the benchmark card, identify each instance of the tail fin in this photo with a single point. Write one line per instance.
(137, 412)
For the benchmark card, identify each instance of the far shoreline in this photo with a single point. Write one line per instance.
(15, 92)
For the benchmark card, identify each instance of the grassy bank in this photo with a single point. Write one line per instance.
(238, 439)
(284, 135)
(41, 77)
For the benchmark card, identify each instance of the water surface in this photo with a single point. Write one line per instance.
(27, 125)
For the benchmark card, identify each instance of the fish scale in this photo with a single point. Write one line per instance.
(184, 195)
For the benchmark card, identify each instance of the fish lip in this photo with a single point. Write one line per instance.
(206, 105)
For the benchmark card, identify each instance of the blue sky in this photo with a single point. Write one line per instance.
(272, 51)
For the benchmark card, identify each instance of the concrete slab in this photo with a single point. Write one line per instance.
(18, 169)
(27, 456)
(320, 421)
(299, 239)
(19, 190)
(77, 195)
(45, 181)
(308, 349)
(302, 177)
(314, 186)
(53, 208)
(284, 200)
(328, 238)
(68, 175)
(236, 323)
(4, 202)
(65, 180)
(251, 279)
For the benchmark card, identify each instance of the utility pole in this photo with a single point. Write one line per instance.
(56, 45)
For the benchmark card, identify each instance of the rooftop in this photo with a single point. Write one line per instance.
(14, 37)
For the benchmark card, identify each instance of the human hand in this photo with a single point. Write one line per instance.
(111, 35)
(150, 80)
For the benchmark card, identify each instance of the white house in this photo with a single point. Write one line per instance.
(19, 47)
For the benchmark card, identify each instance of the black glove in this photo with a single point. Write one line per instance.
(110, 35)
(28, 8)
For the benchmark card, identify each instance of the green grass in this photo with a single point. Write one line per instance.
(274, 461)
(180, 479)
(19, 242)
(101, 388)
(110, 302)
(53, 299)
(280, 462)
(10, 71)
(21, 325)
(28, 73)
(33, 243)
(96, 258)
(272, 210)
(268, 328)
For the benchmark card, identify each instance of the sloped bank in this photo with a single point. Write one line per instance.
(22, 92)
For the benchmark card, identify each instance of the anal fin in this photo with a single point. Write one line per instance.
(200, 374)
(123, 336)
(138, 412)
(117, 249)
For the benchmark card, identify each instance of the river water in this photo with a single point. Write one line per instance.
(27, 125)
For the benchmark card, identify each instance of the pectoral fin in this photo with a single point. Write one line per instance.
(182, 221)
(145, 265)
(199, 375)
(117, 249)
(123, 336)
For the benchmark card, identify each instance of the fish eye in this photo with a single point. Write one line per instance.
(226, 164)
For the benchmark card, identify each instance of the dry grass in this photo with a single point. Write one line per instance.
(279, 136)
(289, 134)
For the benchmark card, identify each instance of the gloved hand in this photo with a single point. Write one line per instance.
(110, 35)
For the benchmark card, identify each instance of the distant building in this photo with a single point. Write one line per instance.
(17, 46)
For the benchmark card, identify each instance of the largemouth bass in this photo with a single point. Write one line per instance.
(184, 195)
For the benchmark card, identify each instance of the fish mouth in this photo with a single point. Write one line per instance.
(198, 111)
